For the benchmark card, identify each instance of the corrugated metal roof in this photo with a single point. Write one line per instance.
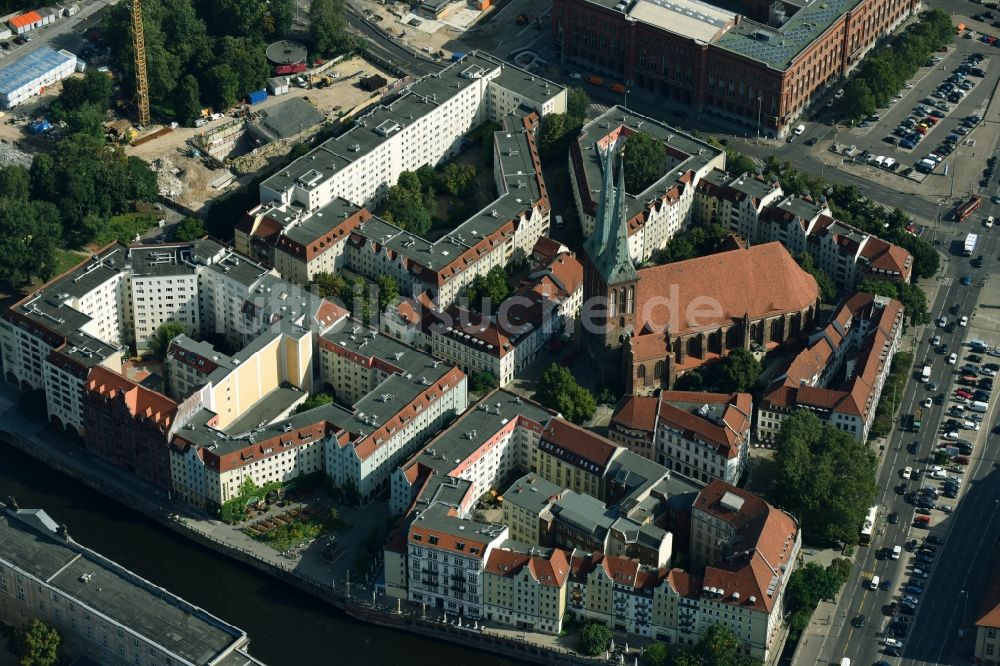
(30, 67)
(25, 19)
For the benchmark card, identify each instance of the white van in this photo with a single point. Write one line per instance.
(874, 584)
(897, 551)
(980, 407)
(989, 221)
(800, 129)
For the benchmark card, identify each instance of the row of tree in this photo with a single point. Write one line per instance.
(211, 53)
(354, 294)
(827, 478)
(892, 390)
(850, 206)
(698, 240)
(888, 67)
(807, 586)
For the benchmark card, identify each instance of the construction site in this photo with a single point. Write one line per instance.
(194, 165)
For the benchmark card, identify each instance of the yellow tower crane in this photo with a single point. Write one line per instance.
(139, 47)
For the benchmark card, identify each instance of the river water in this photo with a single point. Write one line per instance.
(286, 627)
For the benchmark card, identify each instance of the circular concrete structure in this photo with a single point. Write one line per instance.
(286, 52)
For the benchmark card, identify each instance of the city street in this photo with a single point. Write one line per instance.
(970, 532)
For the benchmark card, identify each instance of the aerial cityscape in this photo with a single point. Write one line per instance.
(638, 332)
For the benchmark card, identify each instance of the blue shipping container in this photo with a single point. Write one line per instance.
(456, 56)
(257, 96)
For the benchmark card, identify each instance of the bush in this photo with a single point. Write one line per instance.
(594, 639)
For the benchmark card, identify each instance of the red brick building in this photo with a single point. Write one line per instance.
(128, 425)
(762, 68)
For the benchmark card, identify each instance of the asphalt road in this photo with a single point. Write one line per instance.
(967, 561)
(389, 48)
(65, 33)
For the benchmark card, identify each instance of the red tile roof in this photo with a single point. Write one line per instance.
(551, 571)
(989, 611)
(141, 401)
(637, 412)
(578, 446)
(757, 282)
(726, 436)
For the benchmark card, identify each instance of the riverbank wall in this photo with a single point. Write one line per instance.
(403, 617)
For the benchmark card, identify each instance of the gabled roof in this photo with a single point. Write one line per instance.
(756, 282)
(578, 446)
(140, 401)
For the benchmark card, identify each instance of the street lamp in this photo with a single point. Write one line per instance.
(760, 102)
(628, 82)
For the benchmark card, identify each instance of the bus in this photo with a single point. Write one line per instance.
(968, 208)
(970, 244)
(869, 526)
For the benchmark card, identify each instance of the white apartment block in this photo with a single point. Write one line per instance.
(424, 125)
(664, 208)
(446, 559)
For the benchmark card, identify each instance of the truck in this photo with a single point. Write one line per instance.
(918, 416)
(970, 244)
(256, 97)
(925, 373)
(978, 406)
(595, 80)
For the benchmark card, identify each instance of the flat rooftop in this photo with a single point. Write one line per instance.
(686, 152)
(699, 21)
(778, 47)
(288, 118)
(417, 99)
(30, 67)
(109, 589)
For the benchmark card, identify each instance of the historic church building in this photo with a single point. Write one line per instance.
(647, 326)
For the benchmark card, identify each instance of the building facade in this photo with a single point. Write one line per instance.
(763, 66)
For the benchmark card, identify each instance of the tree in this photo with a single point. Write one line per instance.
(328, 27)
(282, 13)
(558, 390)
(246, 58)
(222, 86)
(827, 287)
(690, 381)
(492, 286)
(482, 382)
(93, 87)
(314, 401)
(720, 647)
(404, 205)
(37, 644)
(594, 638)
(643, 162)
(29, 232)
(332, 286)
(828, 478)
(858, 100)
(189, 229)
(912, 297)
(15, 182)
(553, 134)
(926, 259)
(87, 119)
(577, 103)
(166, 332)
(656, 654)
(738, 372)
(187, 101)
(456, 178)
(388, 291)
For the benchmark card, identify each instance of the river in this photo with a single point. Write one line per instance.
(286, 627)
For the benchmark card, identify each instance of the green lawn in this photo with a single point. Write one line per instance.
(67, 259)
